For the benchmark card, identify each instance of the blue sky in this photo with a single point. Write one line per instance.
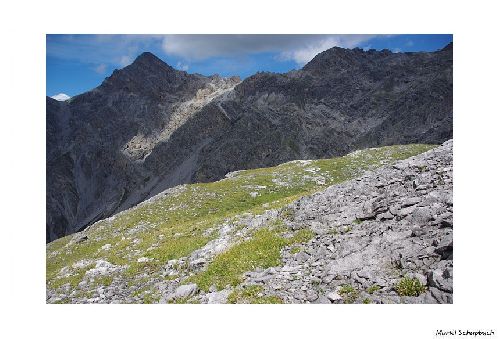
(78, 63)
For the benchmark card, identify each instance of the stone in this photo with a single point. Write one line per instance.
(440, 296)
(321, 252)
(394, 209)
(386, 216)
(444, 223)
(422, 215)
(218, 297)
(299, 295)
(302, 256)
(365, 274)
(445, 248)
(411, 201)
(420, 277)
(345, 229)
(200, 262)
(436, 279)
(102, 267)
(82, 263)
(334, 297)
(366, 212)
(106, 247)
(328, 279)
(276, 286)
(406, 211)
(79, 238)
(417, 231)
(311, 295)
(322, 300)
(185, 291)
(144, 259)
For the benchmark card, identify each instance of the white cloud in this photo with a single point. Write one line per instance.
(182, 67)
(100, 69)
(302, 55)
(125, 60)
(111, 50)
(299, 48)
(120, 50)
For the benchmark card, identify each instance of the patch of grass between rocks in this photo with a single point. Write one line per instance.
(348, 293)
(252, 295)
(262, 251)
(410, 287)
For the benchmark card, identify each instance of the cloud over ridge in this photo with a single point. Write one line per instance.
(299, 48)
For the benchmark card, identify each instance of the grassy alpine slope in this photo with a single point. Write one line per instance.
(137, 254)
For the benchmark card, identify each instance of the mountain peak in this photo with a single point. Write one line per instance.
(448, 47)
(335, 57)
(61, 97)
(147, 57)
(149, 60)
(145, 73)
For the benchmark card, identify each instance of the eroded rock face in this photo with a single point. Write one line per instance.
(399, 224)
(149, 127)
(97, 142)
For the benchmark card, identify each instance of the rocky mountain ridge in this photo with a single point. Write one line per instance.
(149, 127)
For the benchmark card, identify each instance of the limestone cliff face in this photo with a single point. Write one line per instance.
(149, 127)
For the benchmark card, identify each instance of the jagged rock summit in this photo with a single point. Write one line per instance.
(149, 127)
(61, 97)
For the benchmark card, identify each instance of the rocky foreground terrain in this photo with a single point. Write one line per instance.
(374, 226)
(371, 232)
(149, 127)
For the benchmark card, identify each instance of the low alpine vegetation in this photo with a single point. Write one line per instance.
(348, 293)
(134, 246)
(372, 289)
(261, 251)
(252, 295)
(410, 287)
